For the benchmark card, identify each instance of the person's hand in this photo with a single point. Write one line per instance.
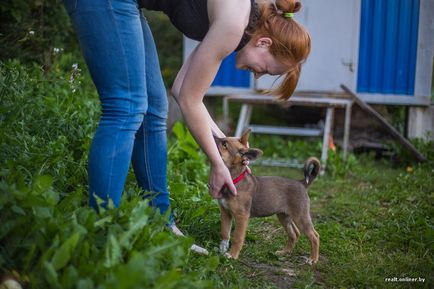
(219, 179)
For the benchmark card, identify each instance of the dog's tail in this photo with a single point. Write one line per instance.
(311, 170)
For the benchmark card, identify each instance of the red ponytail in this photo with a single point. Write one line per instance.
(291, 42)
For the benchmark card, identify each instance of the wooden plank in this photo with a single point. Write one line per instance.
(266, 129)
(347, 128)
(402, 140)
(273, 162)
(391, 99)
(294, 100)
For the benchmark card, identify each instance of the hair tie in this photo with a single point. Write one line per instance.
(288, 15)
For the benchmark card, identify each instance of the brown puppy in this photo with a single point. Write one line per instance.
(264, 196)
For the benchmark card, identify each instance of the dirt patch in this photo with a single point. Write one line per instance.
(281, 275)
(283, 271)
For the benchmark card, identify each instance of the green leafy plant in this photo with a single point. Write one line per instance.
(337, 166)
(188, 174)
(49, 235)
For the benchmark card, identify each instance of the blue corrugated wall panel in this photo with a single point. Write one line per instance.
(413, 44)
(388, 46)
(390, 57)
(229, 75)
(403, 45)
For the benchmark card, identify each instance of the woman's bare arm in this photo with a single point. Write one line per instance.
(177, 87)
(196, 77)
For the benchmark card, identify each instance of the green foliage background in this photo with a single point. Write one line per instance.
(37, 31)
(31, 30)
(49, 235)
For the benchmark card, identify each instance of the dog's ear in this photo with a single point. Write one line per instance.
(252, 154)
(245, 137)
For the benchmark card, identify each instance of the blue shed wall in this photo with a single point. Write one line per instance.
(228, 75)
(388, 46)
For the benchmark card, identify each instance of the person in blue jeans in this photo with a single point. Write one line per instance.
(120, 53)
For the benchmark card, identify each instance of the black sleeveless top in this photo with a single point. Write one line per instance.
(191, 17)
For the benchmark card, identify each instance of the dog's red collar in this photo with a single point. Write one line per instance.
(242, 175)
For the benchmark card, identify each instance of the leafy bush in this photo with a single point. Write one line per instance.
(188, 173)
(286, 147)
(45, 127)
(49, 235)
(56, 248)
(38, 31)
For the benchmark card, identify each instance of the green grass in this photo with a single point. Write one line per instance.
(375, 218)
(375, 223)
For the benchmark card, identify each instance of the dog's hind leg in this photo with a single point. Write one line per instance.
(241, 222)
(297, 232)
(225, 229)
(306, 226)
(291, 230)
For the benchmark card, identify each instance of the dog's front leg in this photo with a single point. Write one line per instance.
(241, 222)
(225, 229)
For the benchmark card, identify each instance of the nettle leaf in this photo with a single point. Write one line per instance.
(135, 227)
(189, 139)
(101, 222)
(201, 211)
(195, 199)
(178, 130)
(213, 262)
(166, 246)
(42, 183)
(86, 283)
(100, 203)
(136, 273)
(113, 252)
(18, 210)
(138, 220)
(46, 255)
(178, 188)
(51, 196)
(69, 277)
(169, 280)
(42, 212)
(63, 254)
(191, 151)
(51, 275)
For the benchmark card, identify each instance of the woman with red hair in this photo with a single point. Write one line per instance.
(121, 56)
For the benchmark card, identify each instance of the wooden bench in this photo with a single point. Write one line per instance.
(330, 103)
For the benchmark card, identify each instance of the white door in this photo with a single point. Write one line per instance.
(334, 29)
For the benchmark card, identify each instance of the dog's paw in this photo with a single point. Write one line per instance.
(310, 261)
(224, 246)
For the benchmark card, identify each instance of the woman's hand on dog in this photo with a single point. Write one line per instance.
(219, 179)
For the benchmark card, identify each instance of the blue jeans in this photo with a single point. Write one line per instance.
(120, 53)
